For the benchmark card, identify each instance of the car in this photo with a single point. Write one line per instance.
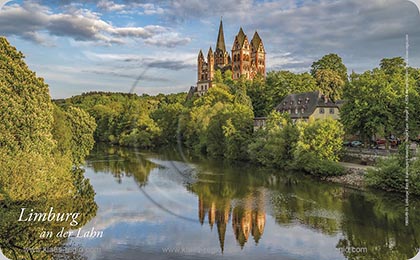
(356, 143)
(346, 143)
(380, 141)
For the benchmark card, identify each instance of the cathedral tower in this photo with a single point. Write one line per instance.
(241, 55)
(220, 54)
(210, 61)
(200, 64)
(257, 56)
(247, 60)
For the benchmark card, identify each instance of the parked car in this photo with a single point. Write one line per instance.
(356, 143)
(380, 141)
(346, 143)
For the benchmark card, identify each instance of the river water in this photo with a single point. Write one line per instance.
(173, 205)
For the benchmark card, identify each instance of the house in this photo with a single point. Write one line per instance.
(315, 105)
(259, 122)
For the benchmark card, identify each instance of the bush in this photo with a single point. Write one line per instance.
(309, 163)
(389, 175)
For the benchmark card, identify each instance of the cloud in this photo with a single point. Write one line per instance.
(36, 22)
(110, 6)
(185, 9)
(133, 75)
(166, 60)
(168, 40)
(130, 7)
(169, 64)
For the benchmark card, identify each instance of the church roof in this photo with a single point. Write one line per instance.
(200, 55)
(241, 37)
(221, 39)
(256, 40)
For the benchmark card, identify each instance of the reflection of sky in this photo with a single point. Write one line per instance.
(135, 228)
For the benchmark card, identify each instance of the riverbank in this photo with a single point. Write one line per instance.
(354, 175)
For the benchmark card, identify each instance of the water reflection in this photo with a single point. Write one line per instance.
(246, 218)
(245, 211)
(28, 240)
(120, 163)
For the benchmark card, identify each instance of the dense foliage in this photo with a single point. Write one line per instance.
(313, 146)
(39, 143)
(390, 174)
(375, 101)
(131, 120)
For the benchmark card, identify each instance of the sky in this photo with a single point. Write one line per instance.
(106, 45)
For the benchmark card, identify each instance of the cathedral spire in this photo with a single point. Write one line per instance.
(221, 38)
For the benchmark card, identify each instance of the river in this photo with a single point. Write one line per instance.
(173, 205)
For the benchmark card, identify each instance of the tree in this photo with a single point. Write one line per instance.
(332, 62)
(32, 167)
(279, 84)
(273, 146)
(375, 102)
(167, 118)
(392, 65)
(26, 110)
(257, 92)
(321, 138)
(82, 128)
(330, 83)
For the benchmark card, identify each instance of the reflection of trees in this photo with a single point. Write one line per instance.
(21, 240)
(121, 162)
(370, 220)
(380, 226)
(316, 205)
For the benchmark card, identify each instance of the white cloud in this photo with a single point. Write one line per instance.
(36, 22)
(130, 8)
(110, 6)
(168, 40)
(166, 60)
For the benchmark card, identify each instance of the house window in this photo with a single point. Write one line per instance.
(331, 110)
(321, 110)
(296, 111)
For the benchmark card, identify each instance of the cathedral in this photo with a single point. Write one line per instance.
(247, 59)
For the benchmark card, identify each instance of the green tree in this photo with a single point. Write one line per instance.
(273, 145)
(322, 138)
(26, 110)
(392, 65)
(279, 84)
(82, 128)
(167, 118)
(331, 62)
(318, 147)
(375, 102)
(330, 83)
(32, 166)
